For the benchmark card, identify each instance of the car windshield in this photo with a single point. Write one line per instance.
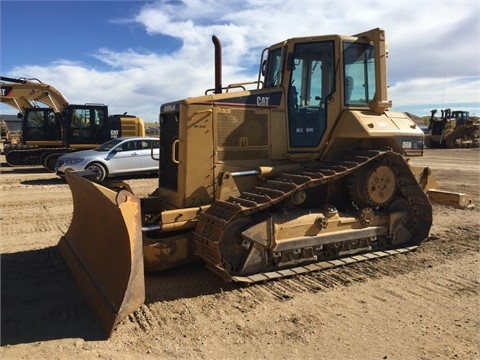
(109, 145)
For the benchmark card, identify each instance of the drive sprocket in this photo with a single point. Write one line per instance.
(374, 185)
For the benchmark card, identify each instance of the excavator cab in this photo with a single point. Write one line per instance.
(74, 126)
(41, 126)
(87, 124)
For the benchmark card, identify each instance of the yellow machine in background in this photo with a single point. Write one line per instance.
(61, 127)
(306, 169)
(454, 129)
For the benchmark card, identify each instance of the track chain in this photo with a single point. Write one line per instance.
(18, 157)
(214, 220)
(318, 266)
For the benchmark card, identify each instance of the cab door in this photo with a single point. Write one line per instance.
(311, 71)
(87, 125)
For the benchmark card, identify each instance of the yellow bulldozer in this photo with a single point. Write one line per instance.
(304, 170)
(454, 129)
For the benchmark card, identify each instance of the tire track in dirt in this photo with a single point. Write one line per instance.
(41, 203)
(53, 226)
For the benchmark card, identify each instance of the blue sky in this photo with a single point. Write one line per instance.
(136, 55)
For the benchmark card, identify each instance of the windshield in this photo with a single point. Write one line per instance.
(359, 73)
(109, 145)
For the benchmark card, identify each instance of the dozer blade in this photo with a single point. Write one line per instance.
(428, 182)
(103, 249)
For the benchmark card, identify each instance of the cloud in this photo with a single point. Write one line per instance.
(434, 50)
(424, 94)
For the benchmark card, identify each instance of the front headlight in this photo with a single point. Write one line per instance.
(71, 161)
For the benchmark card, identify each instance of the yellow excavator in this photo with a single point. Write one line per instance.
(61, 127)
(303, 171)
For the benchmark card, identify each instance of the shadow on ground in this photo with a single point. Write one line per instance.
(52, 181)
(40, 300)
(23, 170)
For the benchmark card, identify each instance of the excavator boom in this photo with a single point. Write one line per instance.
(22, 93)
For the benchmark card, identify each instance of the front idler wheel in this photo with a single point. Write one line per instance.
(232, 247)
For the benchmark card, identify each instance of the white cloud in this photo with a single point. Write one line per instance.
(434, 50)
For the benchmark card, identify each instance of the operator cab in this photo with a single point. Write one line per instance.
(308, 72)
(41, 125)
(86, 124)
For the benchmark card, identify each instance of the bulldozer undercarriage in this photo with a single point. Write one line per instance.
(359, 207)
(467, 140)
(265, 233)
(462, 138)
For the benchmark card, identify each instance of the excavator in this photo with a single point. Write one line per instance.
(454, 129)
(61, 127)
(303, 169)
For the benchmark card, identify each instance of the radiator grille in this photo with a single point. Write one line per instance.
(242, 128)
(168, 134)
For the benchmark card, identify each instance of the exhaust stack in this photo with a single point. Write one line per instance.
(218, 65)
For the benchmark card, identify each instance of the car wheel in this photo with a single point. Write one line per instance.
(98, 169)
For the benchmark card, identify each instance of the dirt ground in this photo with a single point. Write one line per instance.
(419, 305)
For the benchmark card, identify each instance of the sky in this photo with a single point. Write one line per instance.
(136, 55)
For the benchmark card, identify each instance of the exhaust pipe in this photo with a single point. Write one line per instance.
(218, 65)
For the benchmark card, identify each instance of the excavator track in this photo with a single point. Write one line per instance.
(219, 219)
(31, 156)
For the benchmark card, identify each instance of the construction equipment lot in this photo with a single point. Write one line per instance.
(420, 305)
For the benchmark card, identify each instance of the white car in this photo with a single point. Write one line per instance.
(120, 156)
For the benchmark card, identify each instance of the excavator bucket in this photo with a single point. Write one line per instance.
(103, 249)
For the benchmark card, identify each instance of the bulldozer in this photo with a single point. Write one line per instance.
(302, 169)
(454, 129)
(61, 127)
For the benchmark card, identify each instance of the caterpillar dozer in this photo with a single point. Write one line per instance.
(61, 127)
(454, 129)
(306, 169)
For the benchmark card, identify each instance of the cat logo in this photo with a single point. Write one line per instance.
(262, 101)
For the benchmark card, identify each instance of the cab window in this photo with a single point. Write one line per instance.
(359, 74)
(311, 83)
(273, 76)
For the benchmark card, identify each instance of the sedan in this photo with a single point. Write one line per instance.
(120, 156)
